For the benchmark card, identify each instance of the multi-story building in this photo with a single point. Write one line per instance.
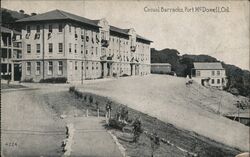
(11, 54)
(209, 74)
(60, 44)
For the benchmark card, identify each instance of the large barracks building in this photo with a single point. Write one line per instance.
(60, 44)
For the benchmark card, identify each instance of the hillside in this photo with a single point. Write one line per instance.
(191, 108)
(182, 64)
(9, 17)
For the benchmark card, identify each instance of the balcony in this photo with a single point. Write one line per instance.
(103, 58)
(133, 48)
(106, 58)
(110, 57)
(5, 60)
(105, 43)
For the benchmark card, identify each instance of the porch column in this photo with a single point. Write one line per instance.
(12, 71)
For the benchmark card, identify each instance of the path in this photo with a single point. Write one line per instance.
(91, 139)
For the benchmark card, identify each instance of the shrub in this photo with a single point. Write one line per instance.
(28, 80)
(114, 123)
(85, 98)
(91, 99)
(6, 77)
(72, 89)
(77, 93)
(54, 80)
(124, 75)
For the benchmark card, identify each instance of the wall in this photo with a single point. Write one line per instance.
(164, 69)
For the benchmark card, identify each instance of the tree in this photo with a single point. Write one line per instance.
(33, 14)
(7, 19)
(21, 11)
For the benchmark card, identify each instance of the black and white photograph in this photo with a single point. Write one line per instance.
(132, 78)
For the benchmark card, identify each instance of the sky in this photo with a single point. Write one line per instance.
(224, 35)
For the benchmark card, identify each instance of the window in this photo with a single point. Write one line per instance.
(28, 48)
(75, 48)
(70, 47)
(96, 65)
(38, 28)
(28, 29)
(60, 28)
(38, 48)
(81, 48)
(82, 66)
(60, 67)
(69, 28)
(28, 68)
(60, 47)
(76, 65)
(212, 81)
(218, 73)
(218, 81)
(213, 73)
(38, 68)
(50, 69)
(86, 52)
(50, 28)
(50, 47)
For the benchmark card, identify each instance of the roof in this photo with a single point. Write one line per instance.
(161, 64)
(62, 15)
(119, 30)
(140, 37)
(208, 66)
(7, 30)
(58, 15)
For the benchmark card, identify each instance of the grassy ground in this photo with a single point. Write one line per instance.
(194, 108)
(185, 139)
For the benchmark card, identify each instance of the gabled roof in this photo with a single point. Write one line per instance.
(7, 30)
(125, 32)
(208, 66)
(58, 15)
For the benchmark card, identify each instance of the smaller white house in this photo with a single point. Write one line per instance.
(209, 74)
(160, 68)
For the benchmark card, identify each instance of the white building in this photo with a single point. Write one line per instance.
(160, 68)
(209, 74)
(58, 44)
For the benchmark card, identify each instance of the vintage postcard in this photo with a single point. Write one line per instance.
(112, 78)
